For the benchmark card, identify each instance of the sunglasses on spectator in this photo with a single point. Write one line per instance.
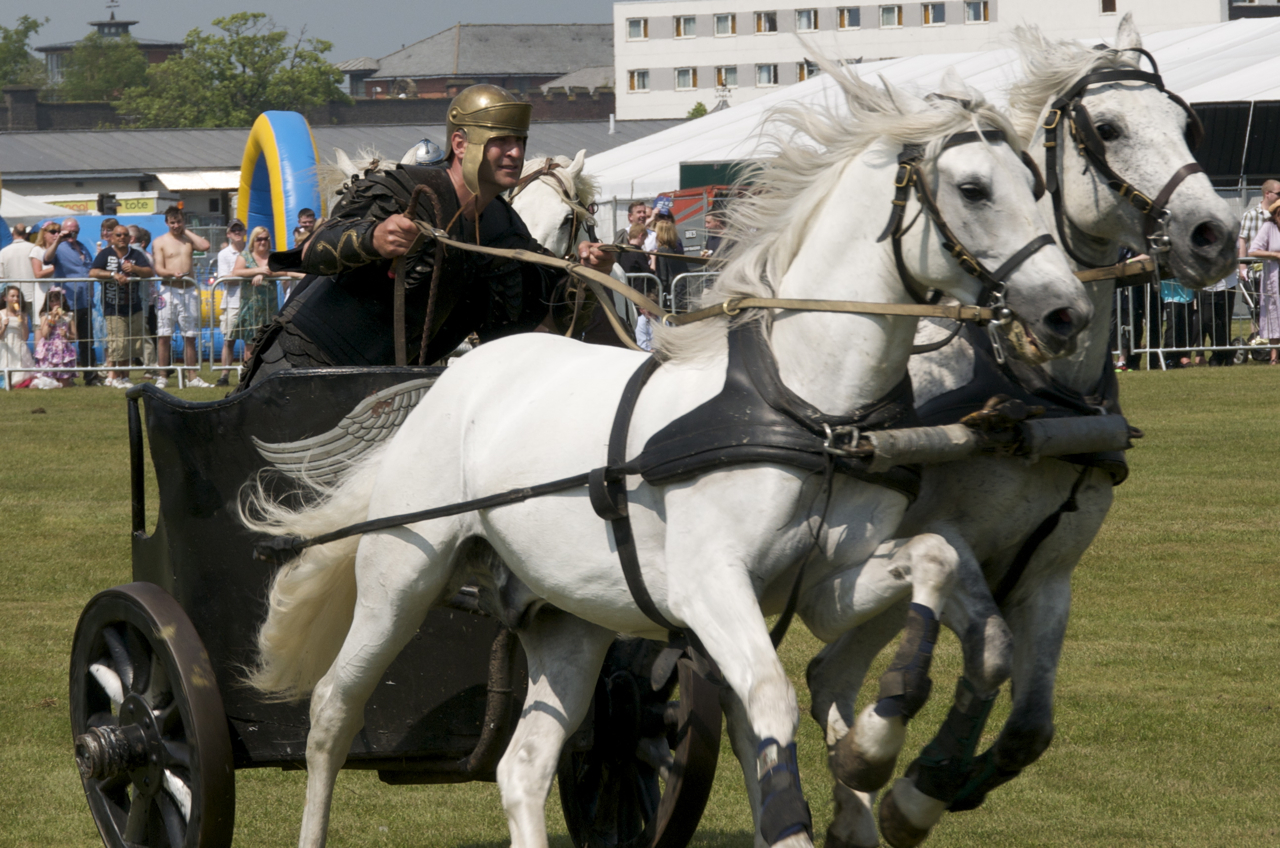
(52, 229)
(263, 238)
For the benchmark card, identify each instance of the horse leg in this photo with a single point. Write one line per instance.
(564, 655)
(1039, 626)
(725, 615)
(834, 677)
(925, 566)
(394, 591)
(946, 764)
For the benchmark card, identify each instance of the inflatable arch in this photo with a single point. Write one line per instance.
(278, 176)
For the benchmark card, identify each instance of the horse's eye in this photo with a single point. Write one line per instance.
(973, 192)
(1108, 132)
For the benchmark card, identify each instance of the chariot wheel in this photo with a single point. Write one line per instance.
(646, 779)
(151, 737)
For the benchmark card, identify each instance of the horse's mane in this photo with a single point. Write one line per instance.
(804, 144)
(1050, 68)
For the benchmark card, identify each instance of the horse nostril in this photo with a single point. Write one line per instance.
(1061, 322)
(1208, 234)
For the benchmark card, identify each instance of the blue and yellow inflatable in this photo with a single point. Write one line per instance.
(278, 176)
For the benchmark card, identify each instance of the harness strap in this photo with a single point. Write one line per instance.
(1018, 567)
(609, 497)
(626, 248)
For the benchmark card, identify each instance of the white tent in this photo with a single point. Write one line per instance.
(1220, 62)
(16, 209)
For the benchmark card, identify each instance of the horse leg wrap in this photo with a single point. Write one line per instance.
(783, 810)
(904, 688)
(945, 765)
(1001, 763)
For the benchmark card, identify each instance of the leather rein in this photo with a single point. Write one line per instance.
(1070, 109)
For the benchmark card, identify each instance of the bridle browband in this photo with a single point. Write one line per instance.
(1070, 108)
(910, 175)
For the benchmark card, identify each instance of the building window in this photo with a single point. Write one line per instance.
(935, 14)
(686, 26)
(807, 69)
(890, 17)
(638, 80)
(686, 78)
(806, 20)
(766, 22)
(850, 17)
(727, 76)
(726, 24)
(637, 29)
(766, 75)
(976, 12)
(1109, 6)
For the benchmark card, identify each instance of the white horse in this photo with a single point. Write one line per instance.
(987, 508)
(713, 549)
(555, 204)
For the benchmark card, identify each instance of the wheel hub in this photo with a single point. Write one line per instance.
(131, 747)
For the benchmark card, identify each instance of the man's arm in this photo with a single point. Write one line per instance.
(140, 265)
(98, 270)
(197, 241)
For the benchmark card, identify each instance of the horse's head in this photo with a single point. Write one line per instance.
(983, 239)
(553, 200)
(1118, 156)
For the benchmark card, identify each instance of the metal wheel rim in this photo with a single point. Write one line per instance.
(135, 651)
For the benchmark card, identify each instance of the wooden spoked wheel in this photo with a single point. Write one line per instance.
(151, 737)
(646, 779)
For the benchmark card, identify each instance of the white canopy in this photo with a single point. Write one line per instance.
(16, 209)
(1220, 62)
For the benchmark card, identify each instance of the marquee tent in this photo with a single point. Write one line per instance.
(1234, 62)
(17, 209)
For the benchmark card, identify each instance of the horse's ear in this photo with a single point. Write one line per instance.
(578, 161)
(1127, 36)
(953, 85)
(343, 161)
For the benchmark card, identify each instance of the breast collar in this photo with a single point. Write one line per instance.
(1071, 109)
(756, 418)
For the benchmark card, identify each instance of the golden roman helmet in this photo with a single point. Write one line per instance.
(483, 112)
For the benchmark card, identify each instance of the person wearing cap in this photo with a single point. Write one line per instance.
(230, 294)
(343, 312)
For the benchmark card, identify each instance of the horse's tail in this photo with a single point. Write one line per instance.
(312, 598)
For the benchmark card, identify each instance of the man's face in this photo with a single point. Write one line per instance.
(503, 161)
(306, 222)
(133, 234)
(636, 215)
(236, 237)
(1270, 193)
(71, 229)
(120, 238)
(177, 226)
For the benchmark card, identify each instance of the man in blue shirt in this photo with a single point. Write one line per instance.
(70, 260)
(121, 267)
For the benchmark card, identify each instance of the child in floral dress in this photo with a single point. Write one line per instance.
(56, 338)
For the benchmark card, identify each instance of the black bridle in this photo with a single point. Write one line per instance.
(1071, 109)
(910, 175)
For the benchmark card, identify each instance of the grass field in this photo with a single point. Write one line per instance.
(1168, 697)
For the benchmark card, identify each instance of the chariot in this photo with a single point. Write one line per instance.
(162, 720)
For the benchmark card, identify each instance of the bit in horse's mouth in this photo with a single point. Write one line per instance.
(1024, 344)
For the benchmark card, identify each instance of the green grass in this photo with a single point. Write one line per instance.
(1168, 707)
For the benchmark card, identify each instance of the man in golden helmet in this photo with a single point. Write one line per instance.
(343, 314)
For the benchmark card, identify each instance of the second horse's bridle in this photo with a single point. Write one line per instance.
(1070, 108)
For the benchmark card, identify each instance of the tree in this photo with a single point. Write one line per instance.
(228, 80)
(699, 109)
(17, 65)
(101, 68)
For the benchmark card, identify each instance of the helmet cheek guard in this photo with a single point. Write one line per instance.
(484, 112)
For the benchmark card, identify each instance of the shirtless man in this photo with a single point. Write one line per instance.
(179, 302)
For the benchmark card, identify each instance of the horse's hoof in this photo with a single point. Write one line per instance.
(896, 829)
(854, 770)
